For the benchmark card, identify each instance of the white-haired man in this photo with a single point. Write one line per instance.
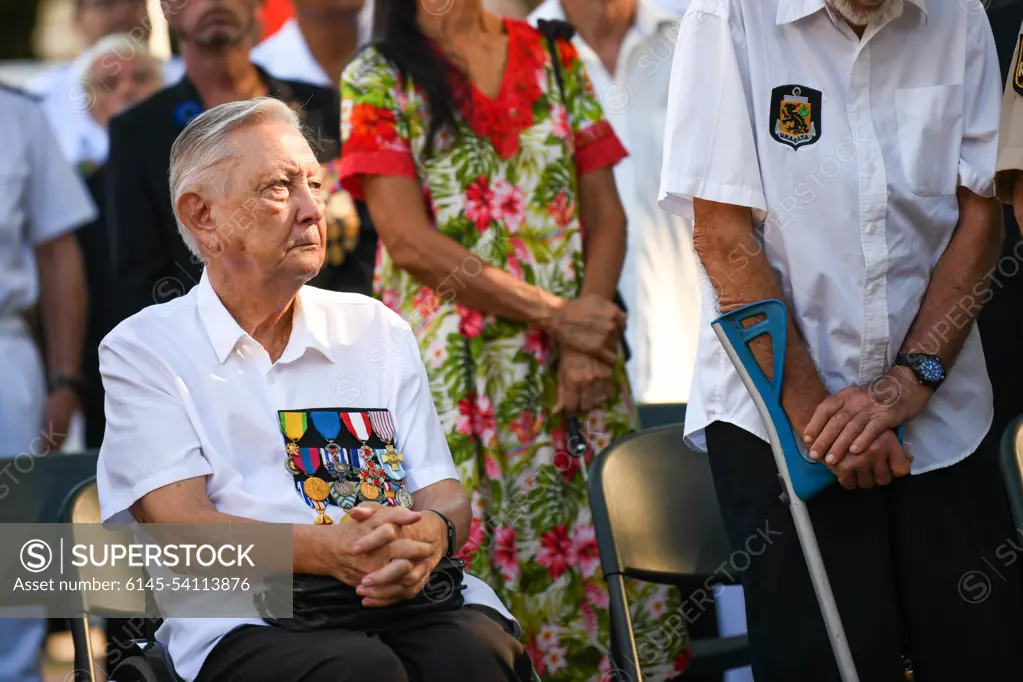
(244, 391)
(839, 155)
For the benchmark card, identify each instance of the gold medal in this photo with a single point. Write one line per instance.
(323, 520)
(316, 489)
(292, 449)
(369, 491)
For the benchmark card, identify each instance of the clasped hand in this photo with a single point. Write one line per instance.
(589, 331)
(387, 553)
(852, 432)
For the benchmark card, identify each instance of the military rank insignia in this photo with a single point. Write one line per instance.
(795, 115)
(1017, 77)
(342, 458)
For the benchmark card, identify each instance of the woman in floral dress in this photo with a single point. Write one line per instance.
(480, 182)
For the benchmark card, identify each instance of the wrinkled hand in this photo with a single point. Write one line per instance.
(591, 325)
(60, 406)
(370, 540)
(584, 382)
(882, 461)
(850, 420)
(412, 555)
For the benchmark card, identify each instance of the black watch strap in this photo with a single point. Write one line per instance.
(452, 538)
(73, 381)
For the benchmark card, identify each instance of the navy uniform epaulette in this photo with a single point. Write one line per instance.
(18, 91)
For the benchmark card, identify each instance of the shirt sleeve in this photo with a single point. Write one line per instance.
(374, 131)
(149, 440)
(418, 432)
(596, 145)
(57, 199)
(710, 149)
(979, 151)
(1010, 139)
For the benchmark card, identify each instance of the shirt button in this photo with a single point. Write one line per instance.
(871, 169)
(273, 379)
(871, 228)
(872, 287)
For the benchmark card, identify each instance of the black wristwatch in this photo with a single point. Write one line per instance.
(452, 537)
(929, 369)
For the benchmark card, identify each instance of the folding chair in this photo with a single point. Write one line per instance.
(147, 660)
(1012, 468)
(656, 517)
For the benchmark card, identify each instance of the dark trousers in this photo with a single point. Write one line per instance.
(467, 645)
(927, 567)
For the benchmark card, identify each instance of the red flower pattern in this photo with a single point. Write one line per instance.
(478, 202)
(555, 549)
(470, 322)
(506, 553)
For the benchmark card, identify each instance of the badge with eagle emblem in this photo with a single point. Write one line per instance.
(795, 115)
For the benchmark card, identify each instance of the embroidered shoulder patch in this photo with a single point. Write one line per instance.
(795, 115)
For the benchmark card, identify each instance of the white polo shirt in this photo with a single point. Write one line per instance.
(852, 150)
(200, 397)
(661, 273)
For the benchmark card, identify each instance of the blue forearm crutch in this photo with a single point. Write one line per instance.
(802, 477)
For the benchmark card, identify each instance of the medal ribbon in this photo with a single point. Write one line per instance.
(294, 425)
(357, 424)
(382, 424)
(327, 423)
(310, 460)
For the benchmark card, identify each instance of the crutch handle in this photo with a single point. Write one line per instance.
(808, 477)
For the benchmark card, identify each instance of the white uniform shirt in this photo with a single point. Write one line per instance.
(661, 274)
(66, 105)
(41, 198)
(861, 207)
(185, 379)
(286, 54)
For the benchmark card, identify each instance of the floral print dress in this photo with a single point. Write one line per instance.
(505, 187)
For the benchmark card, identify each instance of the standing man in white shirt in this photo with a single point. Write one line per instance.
(42, 203)
(316, 44)
(627, 48)
(839, 156)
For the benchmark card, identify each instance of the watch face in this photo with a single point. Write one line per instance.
(931, 369)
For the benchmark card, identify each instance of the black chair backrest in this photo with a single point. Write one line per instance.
(34, 489)
(1012, 468)
(655, 510)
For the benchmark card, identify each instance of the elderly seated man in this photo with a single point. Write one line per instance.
(231, 403)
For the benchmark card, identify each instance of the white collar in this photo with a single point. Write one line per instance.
(308, 329)
(794, 10)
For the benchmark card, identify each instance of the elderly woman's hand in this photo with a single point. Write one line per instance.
(589, 324)
(584, 382)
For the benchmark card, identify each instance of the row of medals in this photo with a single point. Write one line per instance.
(368, 489)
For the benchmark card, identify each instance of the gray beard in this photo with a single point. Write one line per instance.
(858, 17)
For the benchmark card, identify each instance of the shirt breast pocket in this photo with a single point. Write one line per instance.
(930, 135)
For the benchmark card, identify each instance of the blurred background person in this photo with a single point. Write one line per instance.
(67, 105)
(627, 47)
(315, 45)
(42, 202)
(481, 207)
(149, 262)
(115, 74)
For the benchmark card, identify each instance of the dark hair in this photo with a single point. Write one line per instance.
(397, 37)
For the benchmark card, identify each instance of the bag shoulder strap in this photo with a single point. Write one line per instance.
(552, 30)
